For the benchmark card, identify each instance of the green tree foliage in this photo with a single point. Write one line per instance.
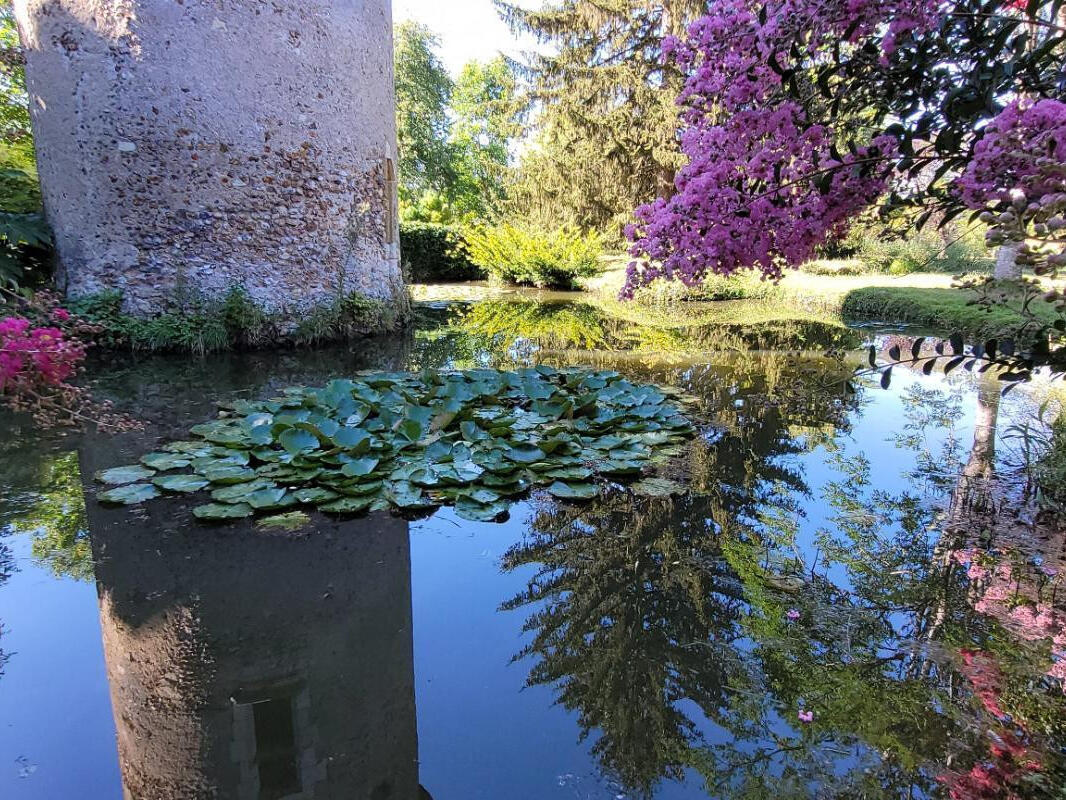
(455, 137)
(25, 239)
(606, 133)
(423, 92)
(488, 110)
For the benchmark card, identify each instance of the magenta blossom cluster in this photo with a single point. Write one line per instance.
(1014, 154)
(36, 357)
(763, 187)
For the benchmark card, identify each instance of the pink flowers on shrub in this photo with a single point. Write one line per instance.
(763, 186)
(32, 358)
(1018, 152)
(42, 347)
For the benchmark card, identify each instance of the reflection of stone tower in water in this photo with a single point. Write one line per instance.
(245, 665)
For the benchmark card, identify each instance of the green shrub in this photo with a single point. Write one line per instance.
(433, 252)
(234, 322)
(25, 238)
(921, 251)
(745, 285)
(545, 259)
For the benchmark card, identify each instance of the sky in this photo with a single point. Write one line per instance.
(468, 29)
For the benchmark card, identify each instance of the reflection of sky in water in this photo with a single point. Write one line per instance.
(482, 733)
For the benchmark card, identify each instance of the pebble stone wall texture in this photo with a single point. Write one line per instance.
(190, 146)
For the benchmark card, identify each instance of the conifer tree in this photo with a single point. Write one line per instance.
(605, 131)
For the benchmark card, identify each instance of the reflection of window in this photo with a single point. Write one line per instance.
(270, 742)
(275, 748)
(390, 200)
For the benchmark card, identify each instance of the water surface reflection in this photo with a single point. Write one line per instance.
(846, 605)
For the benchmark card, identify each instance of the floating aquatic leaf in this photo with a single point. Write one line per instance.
(360, 467)
(165, 461)
(525, 454)
(237, 492)
(229, 474)
(296, 440)
(347, 505)
(181, 483)
(353, 440)
(471, 509)
(128, 474)
(315, 495)
(413, 441)
(130, 494)
(269, 499)
(574, 491)
(221, 511)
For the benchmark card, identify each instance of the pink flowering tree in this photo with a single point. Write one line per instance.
(800, 115)
(42, 349)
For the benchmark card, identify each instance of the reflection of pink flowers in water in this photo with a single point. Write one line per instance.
(793, 614)
(1021, 599)
(1009, 759)
(806, 716)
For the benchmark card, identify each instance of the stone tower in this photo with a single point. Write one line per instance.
(189, 146)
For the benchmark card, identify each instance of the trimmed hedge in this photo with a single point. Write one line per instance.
(433, 252)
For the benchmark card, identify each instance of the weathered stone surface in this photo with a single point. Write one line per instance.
(189, 146)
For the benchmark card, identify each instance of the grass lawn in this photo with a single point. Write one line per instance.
(923, 299)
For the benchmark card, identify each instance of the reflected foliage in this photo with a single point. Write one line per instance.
(869, 650)
(44, 500)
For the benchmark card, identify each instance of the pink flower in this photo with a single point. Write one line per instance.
(61, 314)
(806, 717)
(793, 614)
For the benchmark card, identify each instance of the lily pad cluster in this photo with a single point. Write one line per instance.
(476, 439)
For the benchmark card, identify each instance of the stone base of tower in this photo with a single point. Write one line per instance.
(187, 149)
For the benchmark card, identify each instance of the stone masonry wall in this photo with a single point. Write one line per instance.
(189, 146)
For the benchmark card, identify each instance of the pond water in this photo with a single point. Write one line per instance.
(842, 606)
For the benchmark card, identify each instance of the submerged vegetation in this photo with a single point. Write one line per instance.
(474, 439)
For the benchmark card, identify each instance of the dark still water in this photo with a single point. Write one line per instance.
(842, 606)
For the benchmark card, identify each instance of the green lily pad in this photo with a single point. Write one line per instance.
(296, 440)
(222, 511)
(181, 483)
(165, 461)
(237, 492)
(525, 454)
(470, 509)
(117, 476)
(360, 467)
(269, 499)
(229, 475)
(347, 505)
(314, 495)
(574, 491)
(129, 495)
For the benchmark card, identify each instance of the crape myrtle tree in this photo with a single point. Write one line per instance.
(798, 115)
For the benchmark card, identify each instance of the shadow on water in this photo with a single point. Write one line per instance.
(850, 557)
